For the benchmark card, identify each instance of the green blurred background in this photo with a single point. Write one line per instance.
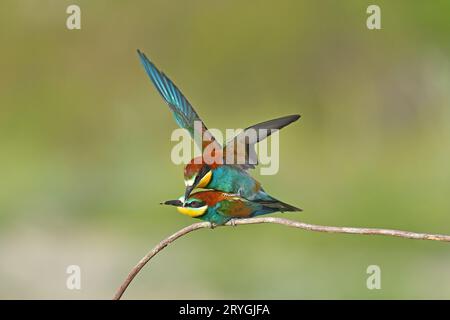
(85, 146)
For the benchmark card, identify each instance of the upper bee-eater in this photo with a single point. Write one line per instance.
(219, 207)
(223, 176)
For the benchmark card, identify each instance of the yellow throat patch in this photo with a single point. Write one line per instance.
(192, 212)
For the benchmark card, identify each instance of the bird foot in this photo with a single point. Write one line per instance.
(233, 222)
(212, 225)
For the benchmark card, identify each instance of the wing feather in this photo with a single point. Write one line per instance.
(242, 146)
(183, 112)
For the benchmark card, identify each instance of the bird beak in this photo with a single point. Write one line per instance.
(176, 203)
(188, 191)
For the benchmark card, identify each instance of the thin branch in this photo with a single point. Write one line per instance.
(286, 222)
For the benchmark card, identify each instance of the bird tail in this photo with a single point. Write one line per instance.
(278, 205)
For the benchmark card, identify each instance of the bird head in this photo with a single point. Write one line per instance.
(196, 175)
(191, 207)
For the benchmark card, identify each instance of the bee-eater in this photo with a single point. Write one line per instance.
(227, 177)
(219, 207)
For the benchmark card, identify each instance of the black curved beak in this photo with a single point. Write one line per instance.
(176, 203)
(205, 169)
(188, 191)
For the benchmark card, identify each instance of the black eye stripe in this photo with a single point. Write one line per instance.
(196, 204)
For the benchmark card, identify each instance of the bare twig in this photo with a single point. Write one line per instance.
(290, 223)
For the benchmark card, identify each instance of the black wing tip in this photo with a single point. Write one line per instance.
(143, 56)
(287, 119)
(294, 117)
(291, 209)
(145, 60)
(291, 118)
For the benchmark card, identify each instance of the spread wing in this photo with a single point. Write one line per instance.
(183, 112)
(242, 147)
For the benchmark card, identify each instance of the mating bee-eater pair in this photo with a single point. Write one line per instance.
(233, 192)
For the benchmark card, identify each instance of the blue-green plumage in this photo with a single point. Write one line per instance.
(233, 179)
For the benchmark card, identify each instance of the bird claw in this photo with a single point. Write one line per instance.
(212, 225)
(233, 222)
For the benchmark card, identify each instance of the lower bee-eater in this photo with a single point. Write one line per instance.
(219, 207)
